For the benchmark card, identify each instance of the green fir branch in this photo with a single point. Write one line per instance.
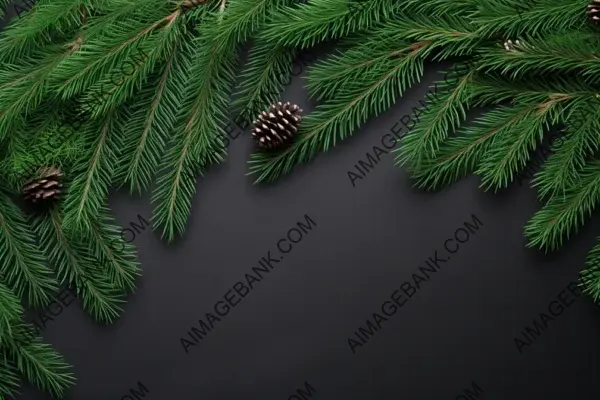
(243, 18)
(516, 19)
(511, 150)
(151, 120)
(22, 267)
(305, 25)
(462, 154)
(335, 120)
(590, 276)
(95, 58)
(94, 172)
(452, 97)
(563, 215)
(198, 135)
(74, 266)
(115, 260)
(10, 313)
(122, 83)
(570, 153)
(37, 28)
(39, 362)
(565, 53)
(9, 378)
(23, 87)
(263, 79)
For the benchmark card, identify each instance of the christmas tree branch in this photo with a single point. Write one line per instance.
(243, 18)
(590, 276)
(120, 85)
(39, 363)
(306, 25)
(263, 79)
(197, 142)
(25, 86)
(22, 267)
(513, 19)
(151, 120)
(100, 299)
(336, 119)
(11, 311)
(462, 154)
(565, 53)
(119, 266)
(9, 379)
(511, 150)
(452, 97)
(570, 154)
(43, 24)
(105, 52)
(94, 172)
(563, 215)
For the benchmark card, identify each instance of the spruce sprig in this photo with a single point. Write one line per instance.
(335, 120)
(23, 269)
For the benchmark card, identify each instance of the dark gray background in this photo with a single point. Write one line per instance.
(293, 327)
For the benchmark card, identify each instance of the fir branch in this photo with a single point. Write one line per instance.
(305, 25)
(10, 313)
(120, 85)
(242, 19)
(22, 265)
(24, 86)
(328, 78)
(40, 27)
(263, 78)
(462, 154)
(562, 216)
(509, 18)
(437, 8)
(75, 267)
(95, 171)
(444, 39)
(565, 53)
(451, 100)
(511, 150)
(39, 363)
(451, 35)
(197, 142)
(102, 54)
(590, 276)
(336, 119)
(9, 379)
(151, 121)
(569, 155)
(118, 266)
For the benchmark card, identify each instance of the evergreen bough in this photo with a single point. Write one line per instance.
(67, 99)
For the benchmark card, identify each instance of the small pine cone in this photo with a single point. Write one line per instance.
(45, 188)
(277, 127)
(593, 12)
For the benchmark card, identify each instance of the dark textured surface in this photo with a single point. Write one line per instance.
(293, 327)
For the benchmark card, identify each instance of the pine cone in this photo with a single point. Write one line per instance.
(277, 127)
(45, 188)
(593, 12)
